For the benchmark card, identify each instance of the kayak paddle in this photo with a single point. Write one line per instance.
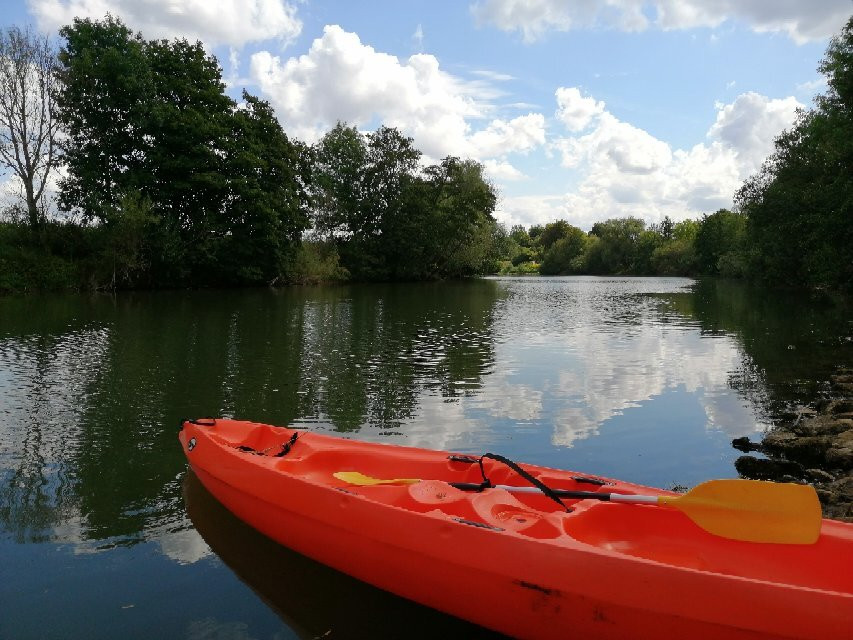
(747, 510)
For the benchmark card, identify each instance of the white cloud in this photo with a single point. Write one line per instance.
(802, 21)
(627, 171)
(576, 111)
(520, 134)
(749, 125)
(214, 22)
(531, 210)
(502, 170)
(534, 17)
(342, 79)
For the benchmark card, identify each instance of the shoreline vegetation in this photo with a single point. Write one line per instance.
(167, 182)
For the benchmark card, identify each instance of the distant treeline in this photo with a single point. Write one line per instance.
(714, 245)
(169, 182)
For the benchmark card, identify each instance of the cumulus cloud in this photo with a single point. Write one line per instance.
(575, 110)
(535, 17)
(342, 79)
(214, 22)
(502, 170)
(531, 209)
(627, 171)
(520, 134)
(802, 21)
(749, 125)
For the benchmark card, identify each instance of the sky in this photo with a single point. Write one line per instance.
(581, 110)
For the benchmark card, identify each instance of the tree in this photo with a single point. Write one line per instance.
(553, 231)
(149, 121)
(338, 174)
(799, 205)
(562, 254)
(463, 202)
(618, 249)
(266, 207)
(103, 105)
(720, 237)
(677, 256)
(29, 127)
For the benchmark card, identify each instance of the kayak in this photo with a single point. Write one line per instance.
(529, 551)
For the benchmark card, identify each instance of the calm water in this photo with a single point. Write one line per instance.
(104, 534)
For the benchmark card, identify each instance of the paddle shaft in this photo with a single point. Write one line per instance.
(563, 493)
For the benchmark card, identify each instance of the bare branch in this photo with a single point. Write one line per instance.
(28, 126)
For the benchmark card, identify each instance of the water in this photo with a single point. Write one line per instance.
(104, 534)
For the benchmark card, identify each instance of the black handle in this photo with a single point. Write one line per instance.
(563, 493)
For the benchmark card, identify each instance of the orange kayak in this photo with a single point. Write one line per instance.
(511, 558)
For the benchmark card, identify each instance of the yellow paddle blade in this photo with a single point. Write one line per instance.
(358, 478)
(753, 511)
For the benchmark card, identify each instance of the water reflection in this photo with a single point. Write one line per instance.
(643, 379)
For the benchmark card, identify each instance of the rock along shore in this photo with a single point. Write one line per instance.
(814, 445)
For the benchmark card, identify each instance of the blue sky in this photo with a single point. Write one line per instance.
(579, 110)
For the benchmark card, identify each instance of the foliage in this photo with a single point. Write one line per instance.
(618, 247)
(720, 241)
(560, 256)
(148, 121)
(391, 222)
(799, 206)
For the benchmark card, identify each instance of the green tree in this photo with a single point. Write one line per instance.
(150, 122)
(338, 181)
(103, 105)
(677, 255)
(188, 125)
(720, 242)
(799, 205)
(618, 247)
(561, 257)
(554, 231)
(266, 206)
(519, 235)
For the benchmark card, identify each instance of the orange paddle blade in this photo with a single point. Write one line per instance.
(752, 510)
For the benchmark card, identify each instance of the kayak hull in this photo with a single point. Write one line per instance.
(545, 573)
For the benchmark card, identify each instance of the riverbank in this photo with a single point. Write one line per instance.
(815, 445)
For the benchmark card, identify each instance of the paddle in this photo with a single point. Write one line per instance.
(747, 510)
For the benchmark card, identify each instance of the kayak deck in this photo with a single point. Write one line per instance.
(655, 533)
(534, 567)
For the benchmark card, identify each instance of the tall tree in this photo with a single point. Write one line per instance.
(338, 175)
(28, 124)
(720, 237)
(800, 204)
(266, 210)
(104, 106)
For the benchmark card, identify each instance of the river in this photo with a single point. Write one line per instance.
(104, 534)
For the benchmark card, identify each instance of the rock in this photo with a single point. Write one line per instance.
(842, 406)
(764, 469)
(807, 449)
(837, 499)
(841, 453)
(822, 404)
(821, 425)
(819, 475)
(744, 444)
(843, 388)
